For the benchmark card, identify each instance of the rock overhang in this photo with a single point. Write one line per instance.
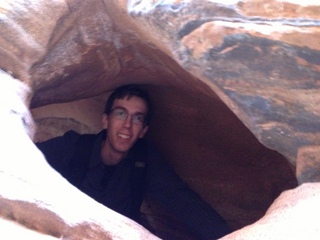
(207, 55)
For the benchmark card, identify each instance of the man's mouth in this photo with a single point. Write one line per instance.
(123, 136)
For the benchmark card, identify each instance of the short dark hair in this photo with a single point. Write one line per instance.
(128, 91)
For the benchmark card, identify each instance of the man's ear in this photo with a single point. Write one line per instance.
(105, 121)
(143, 131)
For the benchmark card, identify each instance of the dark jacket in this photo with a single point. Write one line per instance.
(120, 189)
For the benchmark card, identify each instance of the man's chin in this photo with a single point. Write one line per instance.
(124, 148)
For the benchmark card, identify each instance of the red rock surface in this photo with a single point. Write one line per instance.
(235, 86)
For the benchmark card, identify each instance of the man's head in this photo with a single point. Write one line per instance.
(126, 92)
(126, 117)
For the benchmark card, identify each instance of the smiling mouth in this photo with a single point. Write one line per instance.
(124, 136)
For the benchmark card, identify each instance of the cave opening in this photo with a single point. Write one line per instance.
(198, 60)
(206, 144)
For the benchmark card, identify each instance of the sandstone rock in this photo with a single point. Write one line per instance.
(199, 60)
(36, 196)
(294, 215)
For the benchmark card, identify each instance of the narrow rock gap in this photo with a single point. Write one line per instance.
(208, 146)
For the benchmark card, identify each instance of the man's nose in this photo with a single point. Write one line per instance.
(128, 122)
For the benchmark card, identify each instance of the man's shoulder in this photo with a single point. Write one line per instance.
(81, 136)
(146, 147)
(65, 139)
(144, 144)
(71, 133)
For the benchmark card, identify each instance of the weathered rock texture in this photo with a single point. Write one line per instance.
(38, 198)
(280, 221)
(230, 81)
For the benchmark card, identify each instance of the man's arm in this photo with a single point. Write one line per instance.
(60, 150)
(164, 185)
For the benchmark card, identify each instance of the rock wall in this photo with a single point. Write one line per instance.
(235, 86)
(35, 197)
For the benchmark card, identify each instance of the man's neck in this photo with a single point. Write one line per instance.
(110, 157)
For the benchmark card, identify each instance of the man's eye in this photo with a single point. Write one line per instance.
(120, 113)
(140, 118)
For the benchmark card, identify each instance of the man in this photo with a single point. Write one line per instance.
(117, 166)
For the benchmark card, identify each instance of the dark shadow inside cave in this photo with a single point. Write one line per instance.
(207, 145)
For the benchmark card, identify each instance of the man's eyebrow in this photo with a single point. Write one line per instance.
(123, 108)
(119, 107)
(140, 113)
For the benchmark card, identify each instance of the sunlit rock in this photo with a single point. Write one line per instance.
(38, 198)
(294, 215)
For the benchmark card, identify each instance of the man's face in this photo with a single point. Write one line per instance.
(124, 124)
